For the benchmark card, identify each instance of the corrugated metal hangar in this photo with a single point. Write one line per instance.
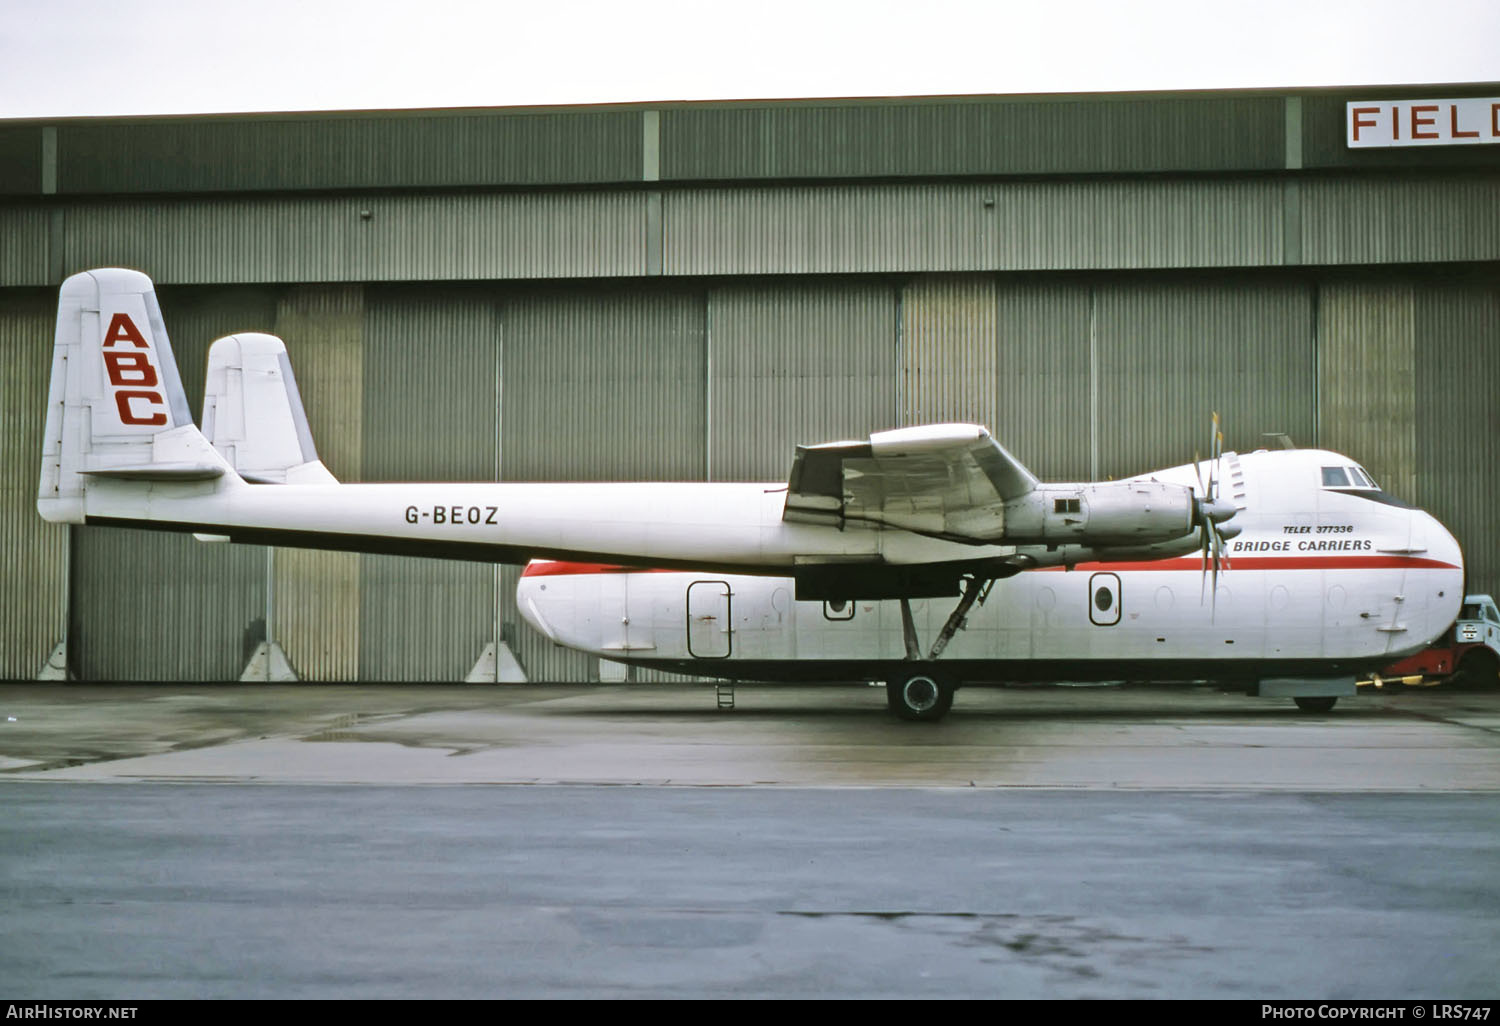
(686, 291)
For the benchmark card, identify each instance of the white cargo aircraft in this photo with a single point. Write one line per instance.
(912, 514)
(1329, 578)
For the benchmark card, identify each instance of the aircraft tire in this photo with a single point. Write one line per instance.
(1478, 669)
(1315, 705)
(919, 697)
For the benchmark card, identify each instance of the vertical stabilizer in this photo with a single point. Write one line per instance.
(253, 415)
(115, 407)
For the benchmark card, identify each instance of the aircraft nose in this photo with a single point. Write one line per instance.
(1439, 541)
(1434, 542)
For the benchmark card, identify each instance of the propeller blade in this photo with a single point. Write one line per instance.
(1218, 452)
(1210, 514)
(1206, 526)
(1216, 449)
(1209, 576)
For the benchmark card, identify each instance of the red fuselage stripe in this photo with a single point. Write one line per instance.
(1182, 563)
(1195, 563)
(560, 569)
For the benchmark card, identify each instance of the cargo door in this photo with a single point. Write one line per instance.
(618, 631)
(708, 624)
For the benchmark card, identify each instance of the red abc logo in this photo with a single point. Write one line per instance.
(132, 374)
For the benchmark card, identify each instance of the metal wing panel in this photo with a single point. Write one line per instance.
(1006, 474)
(945, 480)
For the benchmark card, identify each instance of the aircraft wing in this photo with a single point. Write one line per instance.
(943, 480)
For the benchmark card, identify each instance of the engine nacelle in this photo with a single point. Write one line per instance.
(1115, 513)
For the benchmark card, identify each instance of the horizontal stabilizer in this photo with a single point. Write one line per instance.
(160, 472)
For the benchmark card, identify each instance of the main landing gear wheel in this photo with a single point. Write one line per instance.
(1315, 705)
(923, 697)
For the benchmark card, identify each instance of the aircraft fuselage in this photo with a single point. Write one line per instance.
(1321, 580)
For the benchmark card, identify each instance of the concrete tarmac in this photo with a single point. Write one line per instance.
(351, 841)
(1100, 737)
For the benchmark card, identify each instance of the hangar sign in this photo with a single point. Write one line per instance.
(1422, 122)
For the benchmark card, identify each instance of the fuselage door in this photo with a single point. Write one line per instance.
(708, 625)
(1104, 600)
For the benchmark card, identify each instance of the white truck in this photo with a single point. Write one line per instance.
(1467, 654)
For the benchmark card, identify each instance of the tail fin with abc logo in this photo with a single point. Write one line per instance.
(116, 410)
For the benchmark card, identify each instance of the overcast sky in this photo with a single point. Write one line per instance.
(79, 57)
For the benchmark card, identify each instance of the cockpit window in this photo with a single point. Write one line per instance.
(1334, 477)
(1357, 476)
(1368, 478)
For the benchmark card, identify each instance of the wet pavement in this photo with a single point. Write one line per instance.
(629, 841)
(1137, 737)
